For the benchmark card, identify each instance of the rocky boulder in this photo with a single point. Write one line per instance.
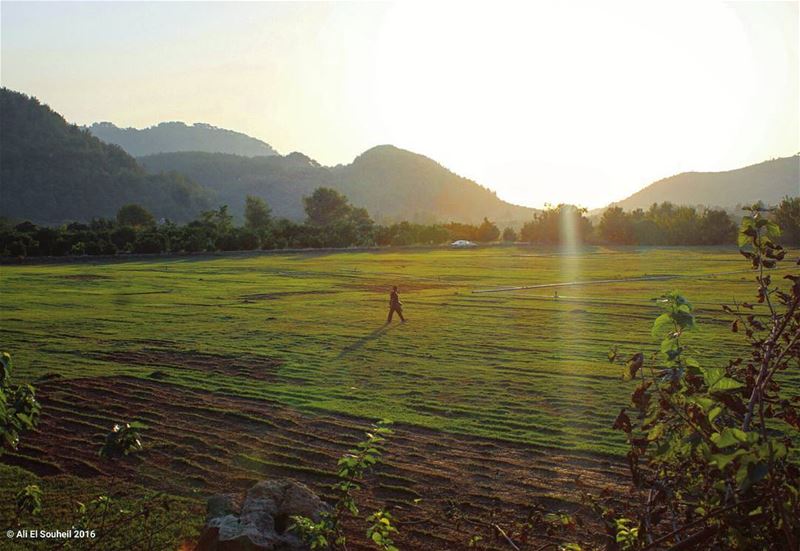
(259, 519)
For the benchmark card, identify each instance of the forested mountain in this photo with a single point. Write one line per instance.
(393, 184)
(169, 137)
(769, 182)
(52, 171)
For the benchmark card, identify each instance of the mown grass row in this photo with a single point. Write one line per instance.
(517, 365)
(200, 443)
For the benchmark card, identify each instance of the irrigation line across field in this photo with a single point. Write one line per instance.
(619, 280)
(604, 300)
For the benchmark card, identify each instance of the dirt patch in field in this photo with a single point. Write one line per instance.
(83, 277)
(402, 287)
(253, 367)
(441, 488)
(280, 294)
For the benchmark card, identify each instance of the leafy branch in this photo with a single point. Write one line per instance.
(328, 532)
(711, 447)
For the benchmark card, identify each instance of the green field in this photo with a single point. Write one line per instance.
(518, 365)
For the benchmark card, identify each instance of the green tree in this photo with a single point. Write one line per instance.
(462, 231)
(550, 226)
(509, 235)
(716, 228)
(616, 226)
(787, 216)
(488, 231)
(135, 216)
(257, 215)
(333, 222)
(220, 220)
(326, 206)
(685, 227)
(149, 242)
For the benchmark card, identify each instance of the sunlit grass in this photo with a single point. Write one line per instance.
(518, 365)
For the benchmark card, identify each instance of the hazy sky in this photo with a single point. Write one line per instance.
(541, 101)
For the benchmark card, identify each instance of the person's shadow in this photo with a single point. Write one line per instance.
(365, 339)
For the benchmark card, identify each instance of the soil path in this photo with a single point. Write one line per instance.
(442, 488)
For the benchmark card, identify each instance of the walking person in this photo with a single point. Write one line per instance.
(395, 306)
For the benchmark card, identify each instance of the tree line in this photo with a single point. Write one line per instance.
(668, 224)
(332, 222)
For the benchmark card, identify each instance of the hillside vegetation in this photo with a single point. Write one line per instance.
(178, 136)
(769, 182)
(52, 171)
(391, 183)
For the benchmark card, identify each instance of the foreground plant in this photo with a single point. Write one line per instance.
(328, 532)
(713, 448)
(108, 522)
(122, 440)
(28, 502)
(19, 410)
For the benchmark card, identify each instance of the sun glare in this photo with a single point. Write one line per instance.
(574, 102)
(544, 102)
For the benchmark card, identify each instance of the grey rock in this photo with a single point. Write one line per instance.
(258, 521)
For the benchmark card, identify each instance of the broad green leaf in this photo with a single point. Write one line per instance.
(742, 239)
(726, 383)
(662, 324)
(669, 345)
(684, 319)
(729, 437)
(754, 473)
(712, 374)
(656, 432)
(773, 230)
(779, 450)
(704, 403)
(724, 459)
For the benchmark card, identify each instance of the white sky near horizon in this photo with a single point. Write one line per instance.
(544, 102)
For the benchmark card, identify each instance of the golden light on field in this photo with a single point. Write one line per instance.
(581, 102)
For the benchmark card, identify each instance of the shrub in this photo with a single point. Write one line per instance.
(328, 532)
(713, 447)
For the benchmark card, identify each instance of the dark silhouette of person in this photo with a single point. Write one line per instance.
(395, 306)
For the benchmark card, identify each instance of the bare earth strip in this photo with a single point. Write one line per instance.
(200, 443)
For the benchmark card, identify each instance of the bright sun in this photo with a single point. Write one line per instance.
(564, 102)
(544, 102)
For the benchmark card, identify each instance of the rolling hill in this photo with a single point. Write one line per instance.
(769, 182)
(393, 184)
(169, 137)
(53, 172)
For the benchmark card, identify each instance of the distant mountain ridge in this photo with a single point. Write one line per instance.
(169, 137)
(391, 183)
(53, 172)
(769, 181)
